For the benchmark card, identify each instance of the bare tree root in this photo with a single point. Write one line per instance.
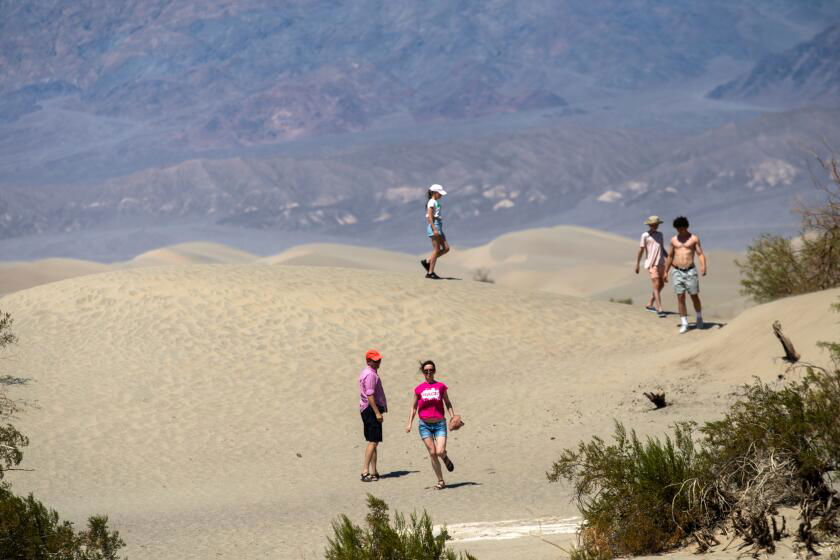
(658, 399)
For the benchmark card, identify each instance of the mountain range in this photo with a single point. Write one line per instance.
(332, 117)
(806, 74)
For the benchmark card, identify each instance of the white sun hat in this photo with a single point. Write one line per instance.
(438, 189)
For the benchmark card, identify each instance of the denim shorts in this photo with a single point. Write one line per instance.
(432, 429)
(438, 226)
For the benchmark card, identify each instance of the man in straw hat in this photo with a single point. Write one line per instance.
(652, 244)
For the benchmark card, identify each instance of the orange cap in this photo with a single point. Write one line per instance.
(373, 355)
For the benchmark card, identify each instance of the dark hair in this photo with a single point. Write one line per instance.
(680, 221)
(427, 363)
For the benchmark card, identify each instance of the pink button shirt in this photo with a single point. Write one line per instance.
(370, 384)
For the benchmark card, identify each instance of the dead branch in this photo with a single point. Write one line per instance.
(658, 399)
(791, 355)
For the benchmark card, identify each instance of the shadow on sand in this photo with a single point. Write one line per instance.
(396, 474)
(707, 325)
(459, 484)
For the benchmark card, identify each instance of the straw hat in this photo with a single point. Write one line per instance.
(653, 220)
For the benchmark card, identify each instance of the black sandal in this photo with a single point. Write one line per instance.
(374, 477)
(440, 485)
(425, 264)
(366, 477)
(450, 466)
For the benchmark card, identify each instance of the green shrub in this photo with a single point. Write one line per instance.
(31, 531)
(775, 268)
(28, 529)
(412, 540)
(11, 440)
(630, 492)
(626, 301)
(775, 446)
(772, 269)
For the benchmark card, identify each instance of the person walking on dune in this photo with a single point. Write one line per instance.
(684, 246)
(434, 230)
(652, 245)
(372, 405)
(429, 399)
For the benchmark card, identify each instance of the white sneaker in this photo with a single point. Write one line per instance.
(683, 328)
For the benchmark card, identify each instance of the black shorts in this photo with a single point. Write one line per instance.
(373, 427)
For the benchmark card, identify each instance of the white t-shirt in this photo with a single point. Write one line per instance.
(435, 206)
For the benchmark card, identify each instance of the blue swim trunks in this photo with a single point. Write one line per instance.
(432, 429)
(438, 226)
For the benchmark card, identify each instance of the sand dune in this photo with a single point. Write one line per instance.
(16, 276)
(193, 253)
(564, 260)
(20, 275)
(210, 409)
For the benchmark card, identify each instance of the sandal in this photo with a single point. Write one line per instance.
(374, 477)
(366, 477)
(440, 485)
(450, 466)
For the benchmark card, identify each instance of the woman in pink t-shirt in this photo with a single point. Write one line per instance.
(429, 400)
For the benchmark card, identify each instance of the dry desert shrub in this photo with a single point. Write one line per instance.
(777, 445)
(483, 275)
(776, 267)
(411, 539)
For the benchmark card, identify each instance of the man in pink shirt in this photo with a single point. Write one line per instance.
(372, 405)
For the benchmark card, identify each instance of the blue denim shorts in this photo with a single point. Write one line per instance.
(432, 429)
(438, 226)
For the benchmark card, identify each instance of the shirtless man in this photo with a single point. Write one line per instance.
(684, 246)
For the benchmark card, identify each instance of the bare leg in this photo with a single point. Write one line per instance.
(695, 299)
(652, 299)
(658, 284)
(435, 252)
(440, 446)
(369, 465)
(681, 305)
(444, 247)
(433, 455)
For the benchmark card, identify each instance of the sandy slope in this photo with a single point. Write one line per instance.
(16, 275)
(210, 409)
(199, 252)
(565, 260)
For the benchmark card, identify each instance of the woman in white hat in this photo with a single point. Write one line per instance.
(652, 243)
(434, 230)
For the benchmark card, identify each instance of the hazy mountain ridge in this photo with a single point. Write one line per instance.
(332, 118)
(808, 73)
(730, 178)
(234, 73)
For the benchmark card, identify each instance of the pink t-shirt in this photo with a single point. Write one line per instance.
(652, 242)
(430, 400)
